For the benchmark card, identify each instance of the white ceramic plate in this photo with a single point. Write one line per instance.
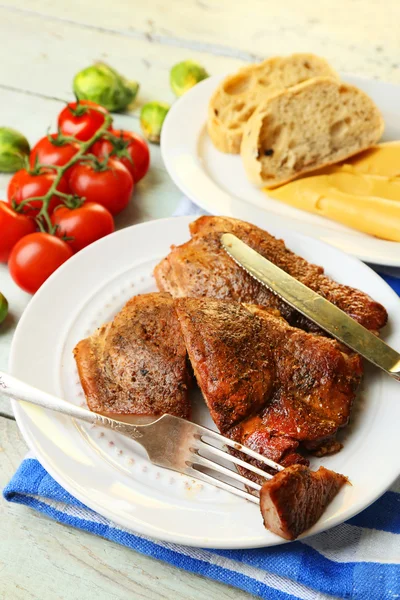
(217, 182)
(110, 473)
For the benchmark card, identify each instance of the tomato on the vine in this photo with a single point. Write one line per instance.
(52, 150)
(13, 226)
(25, 185)
(128, 147)
(35, 257)
(81, 119)
(110, 184)
(84, 224)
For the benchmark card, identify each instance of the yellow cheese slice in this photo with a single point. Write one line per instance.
(383, 159)
(367, 203)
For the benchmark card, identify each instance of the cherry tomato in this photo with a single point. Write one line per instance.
(13, 226)
(129, 148)
(81, 120)
(84, 224)
(111, 187)
(52, 151)
(24, 185)
(35, 257)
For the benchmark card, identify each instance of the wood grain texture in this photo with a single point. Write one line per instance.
(48, 561)
(63, 48)
(356, 36)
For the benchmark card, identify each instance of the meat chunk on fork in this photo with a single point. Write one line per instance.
(137, 364)
(201, 267)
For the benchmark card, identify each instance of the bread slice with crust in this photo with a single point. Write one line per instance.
(312, 125)
(237, 97)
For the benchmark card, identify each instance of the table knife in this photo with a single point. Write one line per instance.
(313, 306)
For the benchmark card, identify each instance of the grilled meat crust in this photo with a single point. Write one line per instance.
(267, 385)
(137, 364)
(201, 267)
(295, 498)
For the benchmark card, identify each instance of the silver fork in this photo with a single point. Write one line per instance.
(170, 442)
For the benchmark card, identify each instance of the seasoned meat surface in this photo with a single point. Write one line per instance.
(317, 380)
(295, 498)
(268, 385)
(201, 268)
(232, 359)
(137, 364)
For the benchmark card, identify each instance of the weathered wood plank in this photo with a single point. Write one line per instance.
(46, 560)
(356, 36)
(18, 301)
(63, 48)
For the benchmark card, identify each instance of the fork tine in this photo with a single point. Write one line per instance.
(221, 484)
(201, 460)
(203, 431)
(236, 461)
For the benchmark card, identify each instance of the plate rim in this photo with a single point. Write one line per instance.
(201, 201)
(21, 414)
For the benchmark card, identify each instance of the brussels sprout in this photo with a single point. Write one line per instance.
(3, 307)
(14, 148)
(185, 75)
(103, 85)
(152, 118)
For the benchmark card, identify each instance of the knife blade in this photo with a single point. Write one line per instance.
(313, 306)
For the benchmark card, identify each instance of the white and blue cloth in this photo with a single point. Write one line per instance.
(359, 559)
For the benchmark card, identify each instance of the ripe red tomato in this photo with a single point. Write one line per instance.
(128, 147)
(50, 150)
(84, 224)
(35, 257)
(24, 185)
(13, 226)
(111, 186)
(79, 119)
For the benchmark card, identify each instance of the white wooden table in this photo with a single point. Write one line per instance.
(44, 43)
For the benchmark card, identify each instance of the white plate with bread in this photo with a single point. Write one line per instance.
(244, 145)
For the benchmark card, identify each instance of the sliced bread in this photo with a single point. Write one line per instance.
(309, 126)
(237, 97)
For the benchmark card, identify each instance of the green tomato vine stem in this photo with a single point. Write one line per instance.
(60, 170)
(61, 194)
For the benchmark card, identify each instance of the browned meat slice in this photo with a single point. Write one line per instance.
(137, 364)
(279, 448)
(201, 268)
(295, 498)
(268, 385)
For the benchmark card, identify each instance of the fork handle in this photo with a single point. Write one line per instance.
(17, 389)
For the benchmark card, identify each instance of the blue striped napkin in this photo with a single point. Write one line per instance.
(359, 559)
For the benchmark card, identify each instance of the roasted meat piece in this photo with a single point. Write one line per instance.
(268, 385)
(295, 498)
(201, 268)
(137, 364)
